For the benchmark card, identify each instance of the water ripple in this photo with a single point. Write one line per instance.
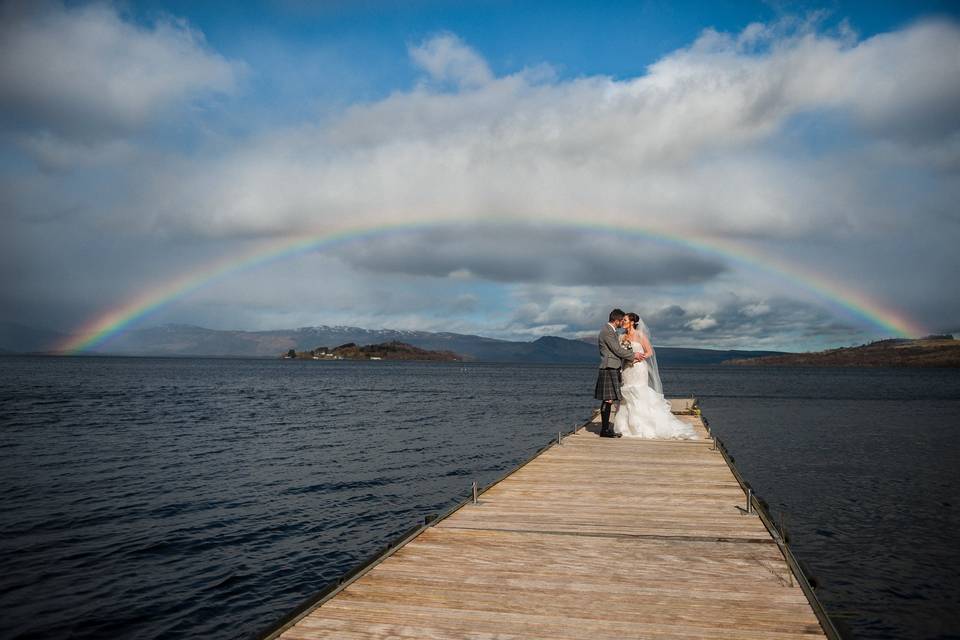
(165, 498)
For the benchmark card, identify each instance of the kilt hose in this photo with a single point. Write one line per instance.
(608, 385)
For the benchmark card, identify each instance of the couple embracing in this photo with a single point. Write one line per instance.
(629, 377)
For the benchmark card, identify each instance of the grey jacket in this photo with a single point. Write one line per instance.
(612, 353)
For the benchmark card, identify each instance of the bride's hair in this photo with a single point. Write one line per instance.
(635, 319)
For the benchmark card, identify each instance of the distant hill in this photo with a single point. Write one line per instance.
(188, 340)
(934, 351)
(679, 356)
(18, 338)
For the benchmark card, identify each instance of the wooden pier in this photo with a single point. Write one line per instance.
(596, 538)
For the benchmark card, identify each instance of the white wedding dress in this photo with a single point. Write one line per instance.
(644, 412)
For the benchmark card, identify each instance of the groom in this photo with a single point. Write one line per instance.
(612, 356)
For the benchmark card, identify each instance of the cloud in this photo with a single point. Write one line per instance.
(717, 319)
(713, 139)
(732, 320)
(755, 309)
(53, 153)
(902, 85)
(702, 323)
(84, 73)
(448, 60)
(818, 149)
(528, 253)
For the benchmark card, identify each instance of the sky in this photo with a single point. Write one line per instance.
(777, 175)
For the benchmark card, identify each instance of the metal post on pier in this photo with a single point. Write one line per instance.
(749, 501)
(560, 438)
(475, 500)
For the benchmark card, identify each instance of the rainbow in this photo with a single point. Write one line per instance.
(842, 300)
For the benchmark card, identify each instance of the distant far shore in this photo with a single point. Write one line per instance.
(393, 350)
(179, 341)
(930, 352)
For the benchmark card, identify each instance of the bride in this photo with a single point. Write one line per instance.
(644, 412)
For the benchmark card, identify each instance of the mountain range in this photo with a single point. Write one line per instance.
(188, 340)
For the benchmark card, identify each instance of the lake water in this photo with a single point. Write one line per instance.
(178, 498)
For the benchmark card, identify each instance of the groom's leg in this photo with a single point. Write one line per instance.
(605, 416)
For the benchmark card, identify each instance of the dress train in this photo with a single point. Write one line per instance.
(643, 412)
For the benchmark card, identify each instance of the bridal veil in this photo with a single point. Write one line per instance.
(654, 371)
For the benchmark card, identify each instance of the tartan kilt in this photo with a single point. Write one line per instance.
(608, 385)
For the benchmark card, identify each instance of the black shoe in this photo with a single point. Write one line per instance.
(610, 434)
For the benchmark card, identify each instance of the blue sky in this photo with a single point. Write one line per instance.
(142, 141)
(339, 52)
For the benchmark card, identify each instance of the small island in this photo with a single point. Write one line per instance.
(385, 351)
(933, 351)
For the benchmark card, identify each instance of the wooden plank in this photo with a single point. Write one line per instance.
(597, 538)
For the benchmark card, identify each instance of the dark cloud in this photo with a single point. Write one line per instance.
(85, 73)
(532, 254)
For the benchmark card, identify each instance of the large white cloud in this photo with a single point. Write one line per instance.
(702, 141)
(448, 60)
